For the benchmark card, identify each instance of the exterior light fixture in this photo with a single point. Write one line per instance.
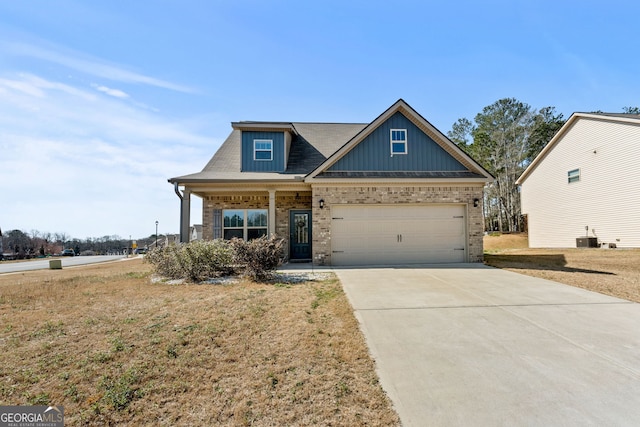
(321, 203)
(476, 202)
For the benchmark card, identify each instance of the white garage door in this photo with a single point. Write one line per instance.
(399, 234)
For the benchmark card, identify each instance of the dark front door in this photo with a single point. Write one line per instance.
(300, 235)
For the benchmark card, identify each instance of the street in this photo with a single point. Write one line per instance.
(43, 263)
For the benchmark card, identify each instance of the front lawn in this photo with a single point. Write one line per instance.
(115, 348)
(613, 272)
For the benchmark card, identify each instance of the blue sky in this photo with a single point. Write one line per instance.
(102, 101)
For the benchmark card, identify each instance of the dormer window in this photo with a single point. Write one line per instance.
(398, 141)
(263, 149)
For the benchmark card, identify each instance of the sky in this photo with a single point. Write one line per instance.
(102, 101)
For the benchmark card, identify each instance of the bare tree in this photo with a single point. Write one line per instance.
(505, 138)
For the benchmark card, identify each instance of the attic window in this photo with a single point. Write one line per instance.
(262, 149)
(398, 141)
(574, 175)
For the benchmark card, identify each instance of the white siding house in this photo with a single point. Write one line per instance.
(588, 176)
(195, 232)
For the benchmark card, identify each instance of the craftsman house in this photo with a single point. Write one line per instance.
(393, 191)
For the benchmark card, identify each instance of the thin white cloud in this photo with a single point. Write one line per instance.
(111, 92)
(86, 64)
(88, 164)
(67, 109)
(34, 86)
(24, 87)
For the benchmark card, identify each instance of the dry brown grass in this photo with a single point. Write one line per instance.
(613, 272)
(498, 242)
(116, 349)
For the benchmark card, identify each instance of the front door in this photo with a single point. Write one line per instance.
(300, 235)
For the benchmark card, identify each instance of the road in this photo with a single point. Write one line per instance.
(41, 264)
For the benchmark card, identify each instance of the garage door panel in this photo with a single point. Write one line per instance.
(431, 227)
(430, 242)
(366, 256)
(435, 256)
(369, 243)
(442, 234)
(399, 234)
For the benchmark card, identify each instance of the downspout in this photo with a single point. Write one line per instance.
(184, 205)
(175, 188)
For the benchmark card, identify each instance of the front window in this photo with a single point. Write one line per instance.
(574, 175)
(256, 223)
(398, 141)
(262, 149)
(244, 224)
(233, 224)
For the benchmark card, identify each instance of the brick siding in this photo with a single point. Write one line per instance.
(285, 202)
(386, 195)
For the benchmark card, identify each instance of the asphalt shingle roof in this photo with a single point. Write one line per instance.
(316, 144)
(312, 145)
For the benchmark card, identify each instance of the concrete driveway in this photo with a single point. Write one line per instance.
(478, 346)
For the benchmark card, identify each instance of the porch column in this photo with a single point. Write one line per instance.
(185, 215)
(272, 213)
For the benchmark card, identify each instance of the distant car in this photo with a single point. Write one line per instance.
(141, 250)
(68, 252)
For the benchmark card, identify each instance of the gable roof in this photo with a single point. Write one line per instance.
(316, 142)
(317, 146)
(629, 119)
(474, 169)
(311, 144)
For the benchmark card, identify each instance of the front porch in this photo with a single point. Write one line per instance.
(251, 213)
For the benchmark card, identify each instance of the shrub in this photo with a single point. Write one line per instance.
(259, 257)
(204, 259)
(196, 261)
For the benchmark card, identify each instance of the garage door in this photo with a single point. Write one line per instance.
(370, 235)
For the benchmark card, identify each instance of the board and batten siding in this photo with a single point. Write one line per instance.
(374, 152)
(277, 164)
(607, 197)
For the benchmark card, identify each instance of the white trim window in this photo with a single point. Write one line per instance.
(263, 149)
(244, 224)
(573, 175)
(398, 141)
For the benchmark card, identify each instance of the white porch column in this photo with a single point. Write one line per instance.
(272, 213)
(185, 215)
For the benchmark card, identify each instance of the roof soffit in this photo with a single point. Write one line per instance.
(265, 127)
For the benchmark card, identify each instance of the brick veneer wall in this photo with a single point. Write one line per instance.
(386, 195)
(285, 201)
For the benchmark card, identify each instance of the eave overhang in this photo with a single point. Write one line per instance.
(620, 118)
(265, 127)
(400, 181)
(235, 187)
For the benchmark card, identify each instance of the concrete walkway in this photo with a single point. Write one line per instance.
(477, 346)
